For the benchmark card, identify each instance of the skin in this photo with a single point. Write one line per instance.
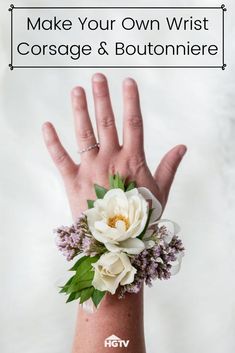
(124, 318)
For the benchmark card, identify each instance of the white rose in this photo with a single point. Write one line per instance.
(120, 217)
(111, 270)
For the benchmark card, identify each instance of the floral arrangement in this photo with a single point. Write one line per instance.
(120, 243)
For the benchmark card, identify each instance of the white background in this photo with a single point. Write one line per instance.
(195, 310)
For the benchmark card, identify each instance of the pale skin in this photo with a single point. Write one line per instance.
(124, 318)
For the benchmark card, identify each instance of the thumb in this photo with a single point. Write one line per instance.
(165, 172)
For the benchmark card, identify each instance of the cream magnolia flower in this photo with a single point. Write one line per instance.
(111, 270)
(120, 217)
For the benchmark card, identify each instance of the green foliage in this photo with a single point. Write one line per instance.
(78, 263)
(73, 296)
(90, 203)
(66, 286)
(100, 191)
(86, 294)
(131, 185)
(97, 296)
(116, 182)
(80, 284)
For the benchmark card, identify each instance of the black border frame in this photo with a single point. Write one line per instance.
(12, 66)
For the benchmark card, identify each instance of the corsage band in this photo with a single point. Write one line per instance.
(120, 242)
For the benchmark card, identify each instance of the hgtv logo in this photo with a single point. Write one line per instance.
(114, 341)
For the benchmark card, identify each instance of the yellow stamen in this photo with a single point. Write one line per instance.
(112, 221)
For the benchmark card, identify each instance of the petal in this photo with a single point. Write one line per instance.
(98, 282)
(149, 244)
(129, 277)
(121, 226)
(113, 248)
(125, 260)
(114, 202)
(114, 193)
(157, 208)
(98, 236)
(172, 228)
(116, 197)
(116, 267)
(129, 246)
(132, 192)
(101, 226)
(112, 283)
(104, 233)
(92, 216)
(132, 246)
(106, 260)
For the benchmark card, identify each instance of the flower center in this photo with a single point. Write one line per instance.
(112, 221)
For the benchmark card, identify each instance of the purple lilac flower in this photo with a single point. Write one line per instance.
(76, 239)
(154, 262)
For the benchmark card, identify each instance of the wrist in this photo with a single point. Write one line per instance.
(113, 304)
(120, 317)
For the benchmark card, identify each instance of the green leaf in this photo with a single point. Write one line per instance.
(131, 185)
(82, 279)
(87, 276)
(90, 203)
(116, 182)
(67, 284)
(97, 296)
(84, 275)
(80, 282)
(79, 285)
(78, 263)
(86, 294)
(73, 296)
(111, 181)
(100, 191)
(146, 225)
(85, 266)
(121, 183)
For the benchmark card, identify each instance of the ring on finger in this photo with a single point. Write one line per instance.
(89, 148)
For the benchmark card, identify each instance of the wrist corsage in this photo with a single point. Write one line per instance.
(120, 243)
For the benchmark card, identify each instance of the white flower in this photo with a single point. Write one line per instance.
(148, 239)
(111, 270)
(120, 217)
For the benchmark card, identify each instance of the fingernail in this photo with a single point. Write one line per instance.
(129, 81)
(182, 151)
(98, 77)
(77, 91)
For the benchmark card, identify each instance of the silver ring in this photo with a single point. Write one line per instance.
(89, 148)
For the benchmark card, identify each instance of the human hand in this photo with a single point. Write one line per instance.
(97, 164)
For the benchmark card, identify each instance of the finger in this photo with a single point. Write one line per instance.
(83, 126)
(107, 131)
(133, 124)
(62, 160)
(167, 168)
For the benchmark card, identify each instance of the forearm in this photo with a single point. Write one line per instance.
(119, 317)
